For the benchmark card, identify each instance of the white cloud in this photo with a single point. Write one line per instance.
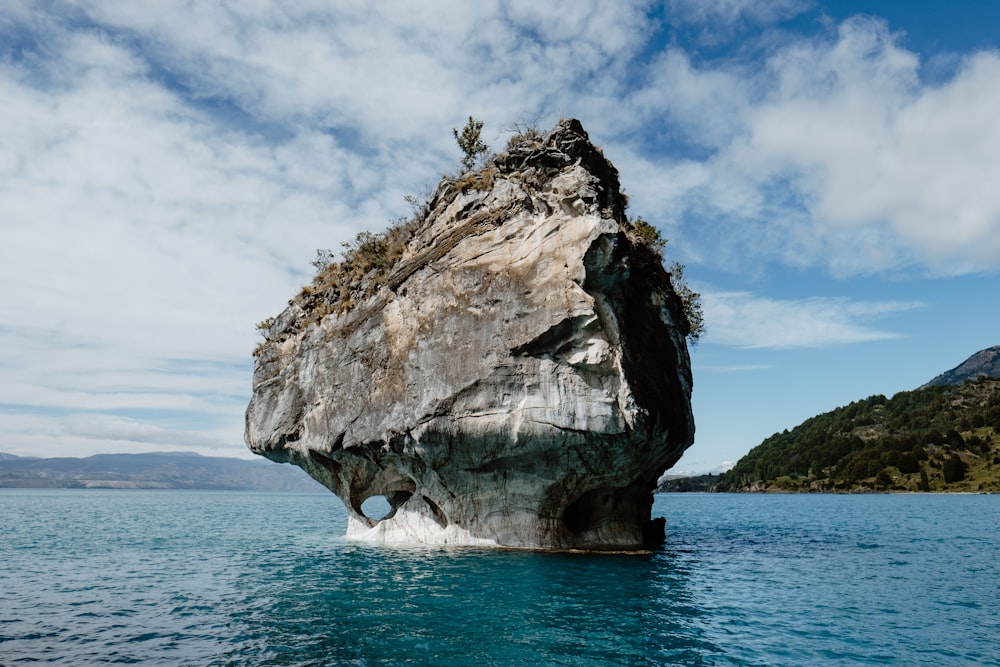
(835, 153)
(732, 368)
(104, 428)
(139, 235)
(396, 72)
(89, 433)
(728, 12)
(702, 105)
(174, 167)
(742, 319)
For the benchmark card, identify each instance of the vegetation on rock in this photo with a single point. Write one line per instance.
(470, 140)
(645, 234)
(367, 261)
(939, 438)
(524, 133)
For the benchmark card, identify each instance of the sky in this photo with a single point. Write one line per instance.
(826, 170)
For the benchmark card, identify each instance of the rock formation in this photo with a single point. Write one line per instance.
(985, 363)
(518, 376)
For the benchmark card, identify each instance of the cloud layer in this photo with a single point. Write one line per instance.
(742, 319)
(167, 171)
(830, 151)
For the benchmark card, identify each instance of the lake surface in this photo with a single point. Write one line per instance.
(216, 578)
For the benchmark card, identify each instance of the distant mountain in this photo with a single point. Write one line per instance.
(162, 470)
(985, 363)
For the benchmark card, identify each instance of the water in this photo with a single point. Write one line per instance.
(191, 578)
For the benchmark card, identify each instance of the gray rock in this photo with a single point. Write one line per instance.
(985, 363)
(519, 377)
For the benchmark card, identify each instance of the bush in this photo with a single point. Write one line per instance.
(524, 132)
(264, 326)
(649, 236)
(368, 251)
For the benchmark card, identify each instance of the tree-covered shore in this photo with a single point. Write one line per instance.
(939, 438)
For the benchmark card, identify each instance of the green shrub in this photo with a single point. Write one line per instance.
(646, 235)
(649, 236)
(264, 326)
(523, 132)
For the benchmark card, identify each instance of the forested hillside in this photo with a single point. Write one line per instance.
(939, 438)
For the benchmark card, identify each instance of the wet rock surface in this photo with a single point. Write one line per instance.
(519, 377)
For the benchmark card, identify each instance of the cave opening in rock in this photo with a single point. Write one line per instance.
(380, 506)
(609, 514)
(376, 508)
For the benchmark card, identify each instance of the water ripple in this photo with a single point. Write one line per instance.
(168, 578)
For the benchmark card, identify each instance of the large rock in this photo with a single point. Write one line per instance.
(519, 377)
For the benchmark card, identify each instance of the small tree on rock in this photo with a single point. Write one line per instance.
(471, 142)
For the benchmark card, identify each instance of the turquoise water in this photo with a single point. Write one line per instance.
(189, 578)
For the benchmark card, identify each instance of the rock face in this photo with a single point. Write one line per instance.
(519, 376)
(985, 363)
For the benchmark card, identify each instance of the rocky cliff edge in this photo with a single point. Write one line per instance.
(518, 376)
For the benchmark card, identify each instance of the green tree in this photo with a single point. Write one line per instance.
(470, 140)
(691, 301)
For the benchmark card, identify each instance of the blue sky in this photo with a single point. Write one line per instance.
(826, 170)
